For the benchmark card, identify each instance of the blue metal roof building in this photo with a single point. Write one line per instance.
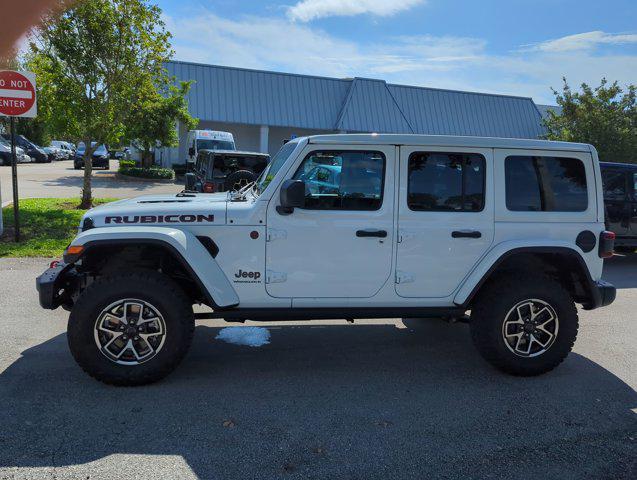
(263, 108)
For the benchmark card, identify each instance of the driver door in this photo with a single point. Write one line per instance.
(340, 243)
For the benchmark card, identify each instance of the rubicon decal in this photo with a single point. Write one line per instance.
(160, 219)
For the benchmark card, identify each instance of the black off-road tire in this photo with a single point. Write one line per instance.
(498, 298)
(149, 286)
(240, 176)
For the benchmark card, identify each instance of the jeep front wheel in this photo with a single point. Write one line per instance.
(131, 329)
(524, 326)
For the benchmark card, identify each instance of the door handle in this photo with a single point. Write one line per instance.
(371, 233)
(466, 234)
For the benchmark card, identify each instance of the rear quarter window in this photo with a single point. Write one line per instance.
(545, 184)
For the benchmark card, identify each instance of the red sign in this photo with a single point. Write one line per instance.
(17, 94)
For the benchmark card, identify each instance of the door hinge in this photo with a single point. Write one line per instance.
(274, 234)
(403, 236)
(404, 277)
(275, 277)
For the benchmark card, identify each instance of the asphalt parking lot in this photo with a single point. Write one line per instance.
(383, 399)
(60, 179)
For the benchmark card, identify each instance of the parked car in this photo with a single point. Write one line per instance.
(66, 148)
(121, 154)
(100, 157)
(34, 151)
(225, 170)
(55, 153)
(510, 230)
(5, 154)
(620, 201)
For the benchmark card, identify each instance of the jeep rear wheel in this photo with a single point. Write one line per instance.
(131, 329)
(524, 326)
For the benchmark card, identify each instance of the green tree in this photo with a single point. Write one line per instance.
(605, 116)
(91, 61)
(153, 121)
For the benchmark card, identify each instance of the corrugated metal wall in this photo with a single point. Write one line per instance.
(234, 95)
(253, 97)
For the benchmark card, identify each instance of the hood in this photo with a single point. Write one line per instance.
(160, 210)
(5, 148)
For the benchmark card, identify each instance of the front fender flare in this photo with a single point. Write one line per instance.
(186, 247)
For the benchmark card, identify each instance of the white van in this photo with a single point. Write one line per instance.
(208, 140)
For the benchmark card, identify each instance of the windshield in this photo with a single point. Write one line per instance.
(275, 165)
(101, 150)
(214, 145)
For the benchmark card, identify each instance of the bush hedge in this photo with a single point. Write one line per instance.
(128, 167)
(126, 164)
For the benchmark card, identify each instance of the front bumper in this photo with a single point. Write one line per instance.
(603, 294)
(56, 285)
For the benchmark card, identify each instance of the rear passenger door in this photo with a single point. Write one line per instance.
(445, 220)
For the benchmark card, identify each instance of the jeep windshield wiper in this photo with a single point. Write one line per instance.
(242, 192)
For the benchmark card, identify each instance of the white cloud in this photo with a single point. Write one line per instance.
(443, 62)
(307, 10)
(583, 41)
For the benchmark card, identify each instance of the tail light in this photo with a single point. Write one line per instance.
(208, 187)
(606, 244)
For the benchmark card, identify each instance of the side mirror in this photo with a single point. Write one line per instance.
(191, 179)
(292, 195)
(191, 151)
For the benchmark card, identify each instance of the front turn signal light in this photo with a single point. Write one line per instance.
(75, 250)
(73, 253)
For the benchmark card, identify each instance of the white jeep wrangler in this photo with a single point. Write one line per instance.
(348, 226)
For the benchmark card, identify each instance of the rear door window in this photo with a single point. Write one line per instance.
(545, 184)
(446, 182)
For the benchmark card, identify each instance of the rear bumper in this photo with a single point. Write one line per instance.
(55, 286)
(603, 294)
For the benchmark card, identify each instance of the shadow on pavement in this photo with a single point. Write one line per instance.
(369, 401)
(621, 270)
(107, 179)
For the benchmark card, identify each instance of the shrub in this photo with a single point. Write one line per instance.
(126, 164)
(152, 172)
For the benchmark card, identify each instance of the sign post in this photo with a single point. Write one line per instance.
(17, 99)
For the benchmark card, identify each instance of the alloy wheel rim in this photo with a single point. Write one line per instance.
(130, 331)
(530, 328)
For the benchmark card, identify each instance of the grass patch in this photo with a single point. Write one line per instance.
(47, 226)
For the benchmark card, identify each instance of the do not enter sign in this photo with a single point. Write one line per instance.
(17, 94)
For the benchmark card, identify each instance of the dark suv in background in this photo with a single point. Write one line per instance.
(620, 201)
(225, 170)
(100, 157)
(34, 151)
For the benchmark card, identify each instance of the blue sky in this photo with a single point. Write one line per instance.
(512, 47)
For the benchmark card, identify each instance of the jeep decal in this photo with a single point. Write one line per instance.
(160, 219)
(247, 277)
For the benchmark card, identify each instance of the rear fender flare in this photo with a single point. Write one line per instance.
(481, 273)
